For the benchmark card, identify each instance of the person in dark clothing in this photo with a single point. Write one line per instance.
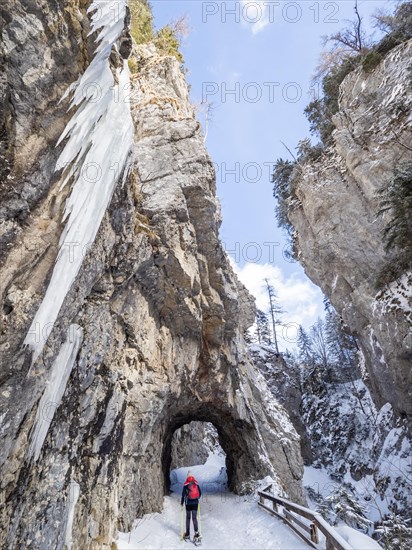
(190, 496)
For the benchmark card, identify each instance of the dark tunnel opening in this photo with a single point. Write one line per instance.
(226, 442)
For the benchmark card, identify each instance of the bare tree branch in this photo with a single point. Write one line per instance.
(181, 27)
(358, 27)
(208, 108)
(289, 151)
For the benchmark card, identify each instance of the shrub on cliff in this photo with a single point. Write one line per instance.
(167, 42)
(320, 111)
(397, 197)
(284, 178)
(141, 27)
(167, 39)
(371, 60)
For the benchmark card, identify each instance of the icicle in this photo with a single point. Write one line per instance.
(56, 386)
(100, 139)
(74, 493)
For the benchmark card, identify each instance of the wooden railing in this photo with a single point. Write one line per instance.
(292, 513)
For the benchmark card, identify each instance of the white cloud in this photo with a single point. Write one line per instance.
(301, 300)
(257, 14)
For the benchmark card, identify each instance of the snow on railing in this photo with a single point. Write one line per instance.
(289, 513)
(55, 388)
(100, 137)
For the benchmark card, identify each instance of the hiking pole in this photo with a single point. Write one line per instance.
(181, 523)
(200, 522)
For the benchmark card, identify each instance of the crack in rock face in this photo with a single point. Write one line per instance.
(162, 318)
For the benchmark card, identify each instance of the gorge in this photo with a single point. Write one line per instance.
(123, 320)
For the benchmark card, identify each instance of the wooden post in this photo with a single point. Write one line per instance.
(262, 499)
(329, 543)
(275, 505)
(314, 533)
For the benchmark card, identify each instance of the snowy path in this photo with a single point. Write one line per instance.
(228, 521)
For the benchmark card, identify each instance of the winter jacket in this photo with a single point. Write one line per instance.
(191, 503)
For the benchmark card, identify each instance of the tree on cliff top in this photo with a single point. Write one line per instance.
(141, 26)
(167, 39)
(352, 38)
(399, 23)
(350, 48)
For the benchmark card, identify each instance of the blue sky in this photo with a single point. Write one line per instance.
(266, 53)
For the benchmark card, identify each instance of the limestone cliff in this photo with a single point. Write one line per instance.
(146, 318)
(338, 233)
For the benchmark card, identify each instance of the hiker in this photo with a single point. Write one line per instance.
(190, 496)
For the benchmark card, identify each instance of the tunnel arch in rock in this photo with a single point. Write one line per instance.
(206, 385)
(239, 460)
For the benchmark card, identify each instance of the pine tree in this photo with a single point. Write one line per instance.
(395, 532)
(305, 346)
(141, 27)
(341, 344)
(248, 337)
(345, 507)
(396, 198)
(281, 179)
(319, 344)
(262, 328)
(275, 311)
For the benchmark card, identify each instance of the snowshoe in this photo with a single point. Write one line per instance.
(186, 536)
(197, 540)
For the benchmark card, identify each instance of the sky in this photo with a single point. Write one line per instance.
(254, 61)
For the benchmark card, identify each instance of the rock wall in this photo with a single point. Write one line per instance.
(150, 334)
(339, 234)
(43, 50)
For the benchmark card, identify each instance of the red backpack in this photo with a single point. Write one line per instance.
(193, 492)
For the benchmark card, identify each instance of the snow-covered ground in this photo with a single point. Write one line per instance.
(228, 521)
(319, 480)
(357, 540)
(211, 475)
